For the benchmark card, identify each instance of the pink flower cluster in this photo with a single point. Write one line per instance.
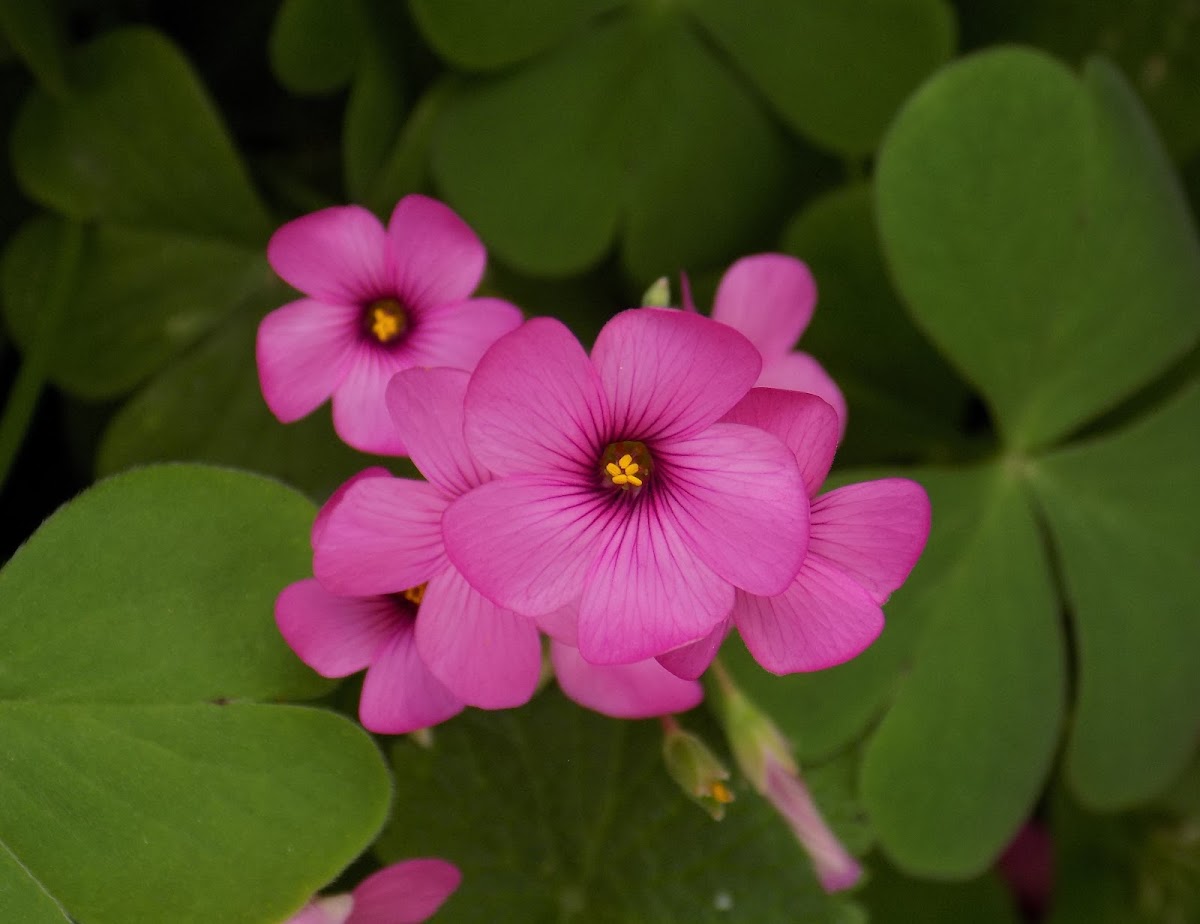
(634, 504)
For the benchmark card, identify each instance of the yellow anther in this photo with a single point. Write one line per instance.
(720, 792)
(385, 320)
(622, 471)
(415, 595)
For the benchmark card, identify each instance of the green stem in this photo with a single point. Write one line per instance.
(31, 377)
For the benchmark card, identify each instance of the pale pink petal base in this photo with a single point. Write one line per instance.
(823, 619)
(770, 298)
(360, 412)
(626, 691)
(304, 351)
(800, 372)
(404, 893)
(335, 636)
(486, 656)
(399, 694)
(457, 335)
(873, 531)
(331, 909)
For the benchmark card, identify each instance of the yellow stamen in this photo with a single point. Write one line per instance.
(415, 595)
(626, 464)
(625, 461)
(612, 469)
(385, 320)
(720, 792)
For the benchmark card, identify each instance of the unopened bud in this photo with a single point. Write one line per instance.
(697, 770)
(658, 295)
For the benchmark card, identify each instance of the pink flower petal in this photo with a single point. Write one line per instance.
(335, 636)
(399, 694)
(338, 255)
(737, 498)
(823, 619)
(526, 543)
(691, 660)
(669, 374)
(360, 412)
(303, 351)
(486, 656)
(648, 592)
(534, 403)
(427, 408)
(458, 334)
(873, 531)
(624, 691)
(769, 297)
(384, 536)
(375, 471)
(800, 372)
(805, 423)
(562, 624)
(436, 256)
(404, 893)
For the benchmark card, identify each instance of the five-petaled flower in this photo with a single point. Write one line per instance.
(378, 301)
(649, 556)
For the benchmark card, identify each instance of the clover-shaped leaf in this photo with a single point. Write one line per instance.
(1027, 215)
(141, 779)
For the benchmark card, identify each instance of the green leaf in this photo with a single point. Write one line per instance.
(1035, 228)
(35, 30)
(959, 760)
(25, 899)
(315, 46)
(556, 814)
(140, 296)
(837, 72)
(484, 35)
(405, 166)
(139, 784)
(635, 124)
(904, 400)
(1122, 510)
(138, 142)
(208, 407)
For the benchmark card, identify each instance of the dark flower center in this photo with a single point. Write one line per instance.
(626, 464)
(409, 601)
(385, 320)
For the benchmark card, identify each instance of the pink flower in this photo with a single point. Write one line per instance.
(864, 540)
(617, 490)
(380, 539)
(403, 893)
(770, 298)
(378, 301)
(640, 690)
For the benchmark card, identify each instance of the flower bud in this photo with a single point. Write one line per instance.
(658, 295)
(764, 755)
(697, 770)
